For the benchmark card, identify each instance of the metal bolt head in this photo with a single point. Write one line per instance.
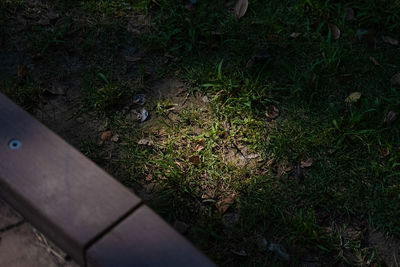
(15, 144)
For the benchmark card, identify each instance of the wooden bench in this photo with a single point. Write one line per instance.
(77, 205)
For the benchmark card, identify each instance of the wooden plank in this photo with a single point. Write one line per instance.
(60, 191)
(144, 239)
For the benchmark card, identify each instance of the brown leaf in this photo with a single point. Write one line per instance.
(115, 138)
(201, 142)
(270, 162)
(376, 63)
(294, 35)
(241, 8)
(335, 31)
(223, 205)
(395, 80)
(307, 163)
(162, 132)
(272, 112)
(390, 117)
(146, 142)
(149, 177)
(105, 136)
(195, 159)
(198, 148)
(350, 15)
(390, 40)
(384, 152)
(288, 169)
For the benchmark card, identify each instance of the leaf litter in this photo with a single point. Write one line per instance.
(353, 97)
(223, 205)
(272, 112)
(241, 8)
(335, 31)
(306, 164)
(390, 40)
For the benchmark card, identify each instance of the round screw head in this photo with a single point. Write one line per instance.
(15, 144)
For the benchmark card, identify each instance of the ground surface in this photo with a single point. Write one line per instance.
(22, 245)
(272, 139)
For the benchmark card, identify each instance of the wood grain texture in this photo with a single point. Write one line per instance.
(60, 191)
(144, 239)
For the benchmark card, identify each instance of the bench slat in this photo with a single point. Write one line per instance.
(144, 239)
(59, 190)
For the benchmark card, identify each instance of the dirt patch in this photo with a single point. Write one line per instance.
(387, 247)
(24, 246)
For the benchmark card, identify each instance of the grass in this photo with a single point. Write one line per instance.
(244, 66)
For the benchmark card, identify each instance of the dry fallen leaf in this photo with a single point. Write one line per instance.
(252, 156)
(115, 138)
(241, 252)
(288, 169)
(162, 132)
(390, 40)
(201, 142)
(241, 8)
(390, 117)
(384, 152)
(149, 177)
(395, 80)
(105, 136)
(195, 160)
(335, 31)
(205, 99)
(353, 97)
(223, 205)
(294, 35)
(198, 148)
(146, 142)
(270, 162)
(376, 63)
(272, 112)
(307, 163)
